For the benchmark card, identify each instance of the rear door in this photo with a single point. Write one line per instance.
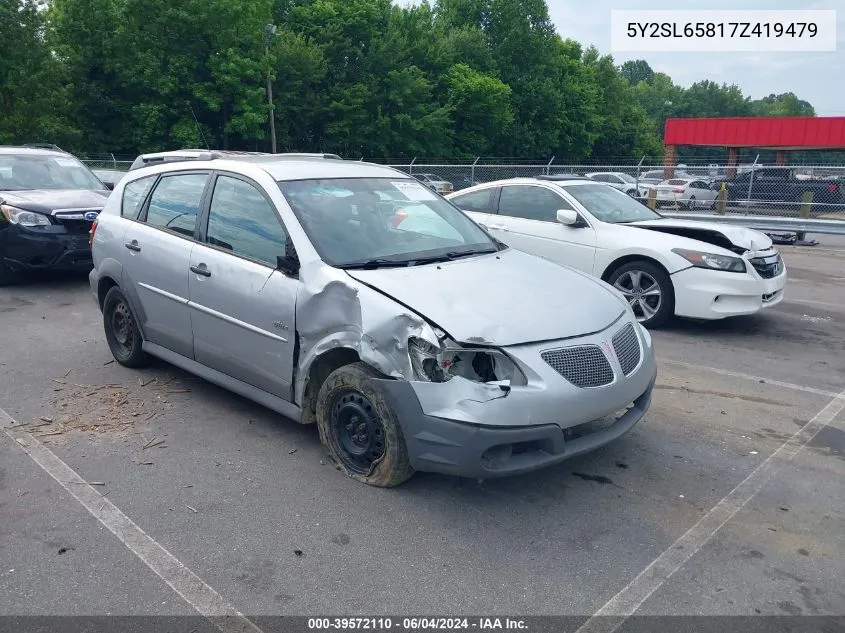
(242, 306)
(158, 251)
(527, 220)
(477, 204)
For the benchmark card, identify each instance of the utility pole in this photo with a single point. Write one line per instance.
(269, 34)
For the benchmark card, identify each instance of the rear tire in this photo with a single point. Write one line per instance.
(360, 430)
(649, 290)
(691, 204)
(122, 332)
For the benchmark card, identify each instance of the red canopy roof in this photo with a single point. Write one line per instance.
(793, 133)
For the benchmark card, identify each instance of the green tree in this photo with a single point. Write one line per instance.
(786, 104)
(481, 107)
(624, 128)
(636, 70)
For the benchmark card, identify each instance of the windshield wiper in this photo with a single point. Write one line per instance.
(451, 255)
(379, 262)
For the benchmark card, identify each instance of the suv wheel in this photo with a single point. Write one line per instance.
(122, 333)
(360, 430)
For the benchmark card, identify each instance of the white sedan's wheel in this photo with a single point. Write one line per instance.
(648, 289)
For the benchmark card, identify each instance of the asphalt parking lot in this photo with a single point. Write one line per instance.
(728, 499)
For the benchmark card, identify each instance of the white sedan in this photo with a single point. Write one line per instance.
(663, 266)
(619, 180)
(689, 193)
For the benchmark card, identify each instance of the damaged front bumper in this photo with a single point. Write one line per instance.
(484, 431)
(712, 294)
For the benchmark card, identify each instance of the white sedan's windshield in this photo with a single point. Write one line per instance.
(627, 178)
(610, 205)
(27, 172)
(375, 222)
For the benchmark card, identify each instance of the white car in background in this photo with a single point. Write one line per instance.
(664, 267)
(619, 180)
(435, 183)
(689, 193)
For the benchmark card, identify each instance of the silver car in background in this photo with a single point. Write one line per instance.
(349, 295)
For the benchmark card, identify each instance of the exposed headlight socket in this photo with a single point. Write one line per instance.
(483, 365)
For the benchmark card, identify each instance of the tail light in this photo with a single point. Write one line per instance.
(832, 187)
(678, 190)
(91, 232)
(398, 217)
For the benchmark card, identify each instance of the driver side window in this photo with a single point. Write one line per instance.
(531, 203)
(243, 222)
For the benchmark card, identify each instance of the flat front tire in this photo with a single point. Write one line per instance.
(122, 332)
(648, 289)
(360, 430)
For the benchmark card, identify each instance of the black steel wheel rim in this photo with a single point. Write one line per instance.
(123, 327)
(358, 431)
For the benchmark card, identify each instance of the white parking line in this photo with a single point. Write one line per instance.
(625, 603)
(182, 580)
(749, 377)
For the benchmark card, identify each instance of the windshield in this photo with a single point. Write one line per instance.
(610, 205)
(627, 178)
(21, 172)
(375, 222)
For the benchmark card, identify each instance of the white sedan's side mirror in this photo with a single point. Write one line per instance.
(567, 216)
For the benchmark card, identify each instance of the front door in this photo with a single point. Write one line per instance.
(527, 220)
(242, 306)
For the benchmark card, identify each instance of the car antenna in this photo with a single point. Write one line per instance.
(199, 128)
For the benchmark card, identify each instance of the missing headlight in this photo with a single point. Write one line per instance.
(478, 365)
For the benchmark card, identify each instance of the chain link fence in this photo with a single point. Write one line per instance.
(751, 189)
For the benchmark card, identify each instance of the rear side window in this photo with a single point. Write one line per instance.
(475, 201)
(241, 221)
(531, 203)
(134, 195)
(175, 202)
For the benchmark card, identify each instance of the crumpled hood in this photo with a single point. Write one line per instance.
(738, 235)
(500, 299)
(46, 201)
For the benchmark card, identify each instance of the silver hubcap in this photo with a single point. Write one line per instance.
(642, 291)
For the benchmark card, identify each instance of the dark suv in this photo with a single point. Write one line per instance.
(48, 200)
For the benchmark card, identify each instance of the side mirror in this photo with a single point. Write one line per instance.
(567, 216)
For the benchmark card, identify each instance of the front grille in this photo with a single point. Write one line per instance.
(74, 219)
(627, 348)
(582, 365)
(768, 267)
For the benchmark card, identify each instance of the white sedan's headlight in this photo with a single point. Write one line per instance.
(23, 217)
(712, 261)
(441, 364)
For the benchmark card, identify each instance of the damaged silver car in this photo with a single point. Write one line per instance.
(351, 296)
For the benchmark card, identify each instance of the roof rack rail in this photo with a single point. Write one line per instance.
(43, 146)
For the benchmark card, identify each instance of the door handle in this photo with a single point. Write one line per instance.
(498, 227)
(133, 246)
(201, 270)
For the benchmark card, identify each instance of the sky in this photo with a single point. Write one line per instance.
(815, 77)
